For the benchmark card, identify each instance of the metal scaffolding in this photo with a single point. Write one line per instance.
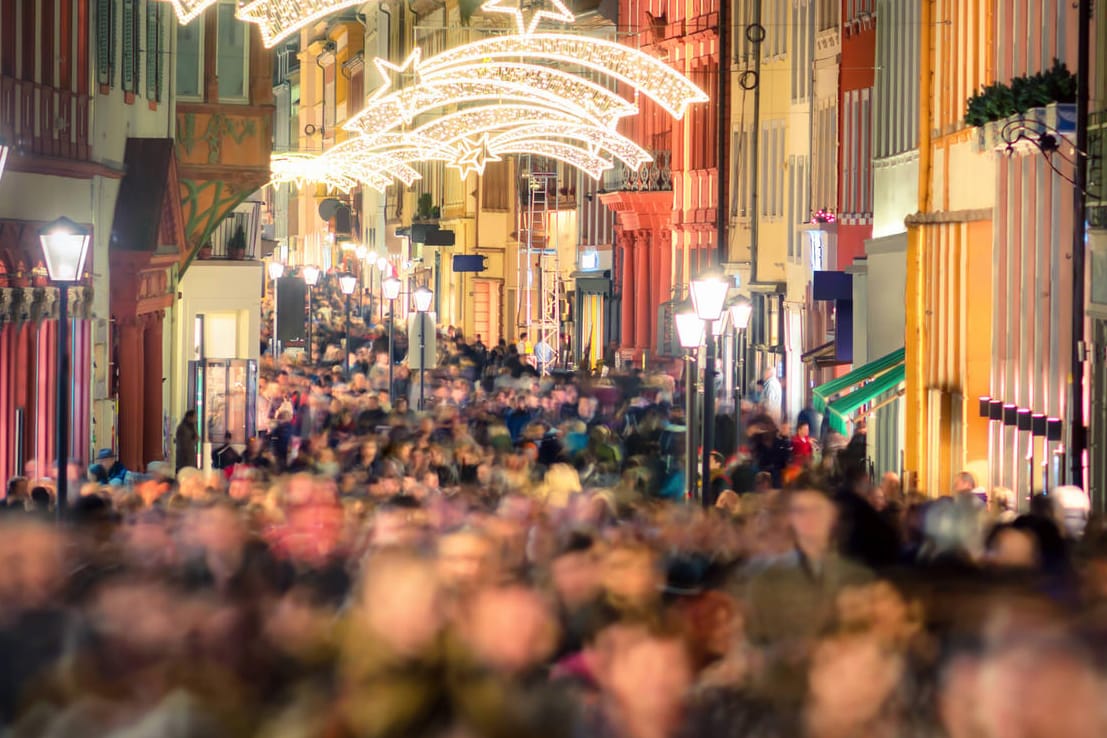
(539, 275)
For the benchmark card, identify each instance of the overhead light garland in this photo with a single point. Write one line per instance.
(279, 19)
(554, 95)
(473, 156)
(186, 10)
(597, 140)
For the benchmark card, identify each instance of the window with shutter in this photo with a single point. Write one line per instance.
(154, 51)
(105, 43)
(129, 66)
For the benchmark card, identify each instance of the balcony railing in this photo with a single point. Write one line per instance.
(43, 121)
(656, 176)
(225, 245)
(1097, 169)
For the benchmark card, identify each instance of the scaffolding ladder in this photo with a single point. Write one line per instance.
(539, 275)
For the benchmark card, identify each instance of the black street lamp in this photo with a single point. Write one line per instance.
(708, 298)
(348, 282)
(391, 289)
(311, 278)
(65, 248)
(423, 298)
(740, 312)
(276, 271)
(690, 333)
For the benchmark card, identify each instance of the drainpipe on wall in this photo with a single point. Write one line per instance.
(914, 334)
(1076, 430)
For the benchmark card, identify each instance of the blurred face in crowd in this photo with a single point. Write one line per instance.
(31, 566)
(850, 680)
(577, 579)
(1014, 549)
(811, 516)
(465, 561)
(630, 575)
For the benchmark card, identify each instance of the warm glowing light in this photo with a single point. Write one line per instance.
(597, 140)
(515, 83)
(740, 314)
(423, 298)
(708, 296)
(311, 275)
(382, 263)
(689, 329)
(643, 72)
(473, 156)
(587, 162)
(276, 270)
(186, 10)
(3, 157)
(348, 283)
(527, 25)
(304, 169)
(391, 288)
(279, 19)
(65, 248)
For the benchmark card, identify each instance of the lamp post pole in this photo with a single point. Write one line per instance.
(61, 418)
(708, 416)
(311, 312)
(390, 289)
(65, 247)
(423, 298)
(422, 358)
(690, 424)
(346, 348)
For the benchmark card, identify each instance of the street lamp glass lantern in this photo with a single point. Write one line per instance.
(65, 248)
(311, 275)
(382, 263)
(362, 252)
(348, 282)
(391, 288)
(3, 156)
(740, 313)
(689, 329)
(276, 270)
(709, 296)
(423, 297)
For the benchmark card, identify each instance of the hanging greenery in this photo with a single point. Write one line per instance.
(467, 8)
(998, 101)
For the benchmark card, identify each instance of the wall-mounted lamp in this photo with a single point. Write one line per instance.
(995, 410)
(1024, 419)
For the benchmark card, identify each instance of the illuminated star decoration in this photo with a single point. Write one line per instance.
(527, 25)
(186, 10)
(554, 95)
(389, 72)
(473, 156)
(279, 19)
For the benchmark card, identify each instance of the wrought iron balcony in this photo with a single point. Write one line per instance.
(1097, 170)
(656, 176)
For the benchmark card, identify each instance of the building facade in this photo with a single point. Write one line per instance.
(948, 320)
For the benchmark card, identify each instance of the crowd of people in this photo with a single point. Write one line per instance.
(519, 559)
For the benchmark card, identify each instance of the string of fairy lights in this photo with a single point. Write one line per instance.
(529, 92)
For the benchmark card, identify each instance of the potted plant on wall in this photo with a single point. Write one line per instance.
(1046, 98)
(424, 208)
(236, 247)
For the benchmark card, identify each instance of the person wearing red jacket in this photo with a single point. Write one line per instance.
(803, 448)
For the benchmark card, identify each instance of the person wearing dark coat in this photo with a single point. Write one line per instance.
(188, 436)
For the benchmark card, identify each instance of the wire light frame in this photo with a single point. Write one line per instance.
(550, 94)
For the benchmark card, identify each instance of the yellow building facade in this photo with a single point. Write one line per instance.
(949, 257)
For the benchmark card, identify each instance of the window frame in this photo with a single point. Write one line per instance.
(244, 97)
(199, 96)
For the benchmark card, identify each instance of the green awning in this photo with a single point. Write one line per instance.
(841, 411)
(824, 392)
